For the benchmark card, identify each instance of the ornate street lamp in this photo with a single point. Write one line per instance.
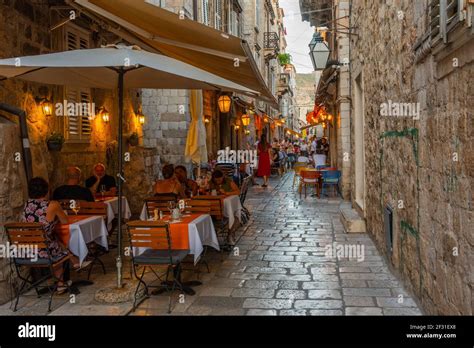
(245, 120)
(319, 52)
(46, 106)
(224, 102)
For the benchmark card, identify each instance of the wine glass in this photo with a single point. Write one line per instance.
(103, 189)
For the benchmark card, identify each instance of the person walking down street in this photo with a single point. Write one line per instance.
(304, 149)
(322, 150)
(264, 167)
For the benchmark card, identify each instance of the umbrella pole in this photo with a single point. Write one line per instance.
(120, 177)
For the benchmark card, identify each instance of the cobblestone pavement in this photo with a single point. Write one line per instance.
(280, 266)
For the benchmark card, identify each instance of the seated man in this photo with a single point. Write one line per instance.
(223, 185)
(190, 186)
(170, 183)
(101, 182)
(72, 189)
(241, 174)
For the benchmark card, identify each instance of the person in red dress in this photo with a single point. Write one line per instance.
(264, 166)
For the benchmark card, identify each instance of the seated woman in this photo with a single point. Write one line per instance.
(49, 213)
(190, 187)
(169, 184)
(223, 185)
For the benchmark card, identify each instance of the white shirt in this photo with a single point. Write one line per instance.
(303, 159)
(304, 147)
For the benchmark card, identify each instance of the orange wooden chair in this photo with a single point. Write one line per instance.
(32, 236)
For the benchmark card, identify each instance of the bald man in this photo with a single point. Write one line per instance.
(101, 179)
(72, 189)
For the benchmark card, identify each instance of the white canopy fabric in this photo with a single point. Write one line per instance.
(95, 68)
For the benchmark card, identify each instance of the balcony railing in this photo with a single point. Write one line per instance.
(271, 41)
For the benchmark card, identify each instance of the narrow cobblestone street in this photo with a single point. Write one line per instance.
(279, 266)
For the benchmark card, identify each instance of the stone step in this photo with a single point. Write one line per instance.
(351, 220)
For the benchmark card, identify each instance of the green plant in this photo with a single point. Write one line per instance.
(56, 138)
(284, 58)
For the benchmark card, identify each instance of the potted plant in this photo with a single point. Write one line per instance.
(284, 59)
(55, 142)
(133, 139)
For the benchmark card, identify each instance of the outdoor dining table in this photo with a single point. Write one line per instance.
(191, 232)
(112, 208)
(83, 229)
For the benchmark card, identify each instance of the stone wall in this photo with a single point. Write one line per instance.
(25, 31)
(409, 163)
(167, 123)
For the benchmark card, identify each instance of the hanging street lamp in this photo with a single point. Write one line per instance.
(319, 52)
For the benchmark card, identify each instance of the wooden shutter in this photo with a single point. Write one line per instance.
(77, 128)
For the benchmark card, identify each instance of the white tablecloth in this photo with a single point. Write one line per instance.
(85, 231)
(200, 232)
(112, 210)
(232, 209)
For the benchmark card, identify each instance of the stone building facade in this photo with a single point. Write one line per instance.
(25, 31)
(417, 170)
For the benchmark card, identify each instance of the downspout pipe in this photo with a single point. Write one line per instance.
(25, 142)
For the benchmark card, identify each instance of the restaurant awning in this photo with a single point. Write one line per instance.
(186, 40)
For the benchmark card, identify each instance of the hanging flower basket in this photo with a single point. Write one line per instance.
(55, 142)
(133, 140)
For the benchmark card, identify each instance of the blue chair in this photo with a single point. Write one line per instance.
(331, 178)
(322, 166)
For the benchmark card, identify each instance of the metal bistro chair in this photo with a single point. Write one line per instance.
(331, 178)
(310, 178)
(156, 237)
(159, 201)
(221, 223)
(32, 236)
(243, 194)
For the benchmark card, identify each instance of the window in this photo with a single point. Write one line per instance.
(77, 128)
(205, 12)
(444, 15)
(218, 15)
(257, 13)
(234, 23)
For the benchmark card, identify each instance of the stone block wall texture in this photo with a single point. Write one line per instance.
(433, 228)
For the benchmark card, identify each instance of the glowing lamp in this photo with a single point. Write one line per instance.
(224, 102)
(245, 120)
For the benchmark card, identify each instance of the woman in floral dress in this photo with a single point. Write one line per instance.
(39, 209)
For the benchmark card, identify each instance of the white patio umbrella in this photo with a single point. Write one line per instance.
(116, 66)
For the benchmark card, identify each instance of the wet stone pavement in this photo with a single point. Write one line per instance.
(281, 265)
